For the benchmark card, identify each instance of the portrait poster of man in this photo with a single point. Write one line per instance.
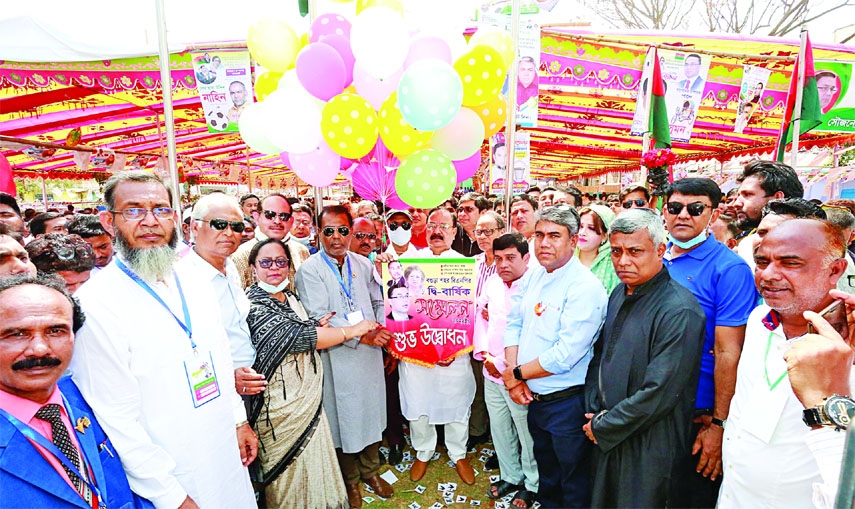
(836, 97)
(754, 81)
(432, 316)
(642, 103)
(519, 159)
(685, 76)
(224, 84)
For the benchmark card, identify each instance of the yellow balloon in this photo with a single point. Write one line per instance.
(397, 134)
(273, 44)
(304, 40)
(481, 69)
(501, 41)
(266, 83)
(493, 113)
(349, 125)
(395, 5)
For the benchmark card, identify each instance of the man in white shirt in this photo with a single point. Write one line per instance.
(153, 361)
(399, 225)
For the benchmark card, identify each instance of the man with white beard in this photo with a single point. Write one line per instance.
(153, 361)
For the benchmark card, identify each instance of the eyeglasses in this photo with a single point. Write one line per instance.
(222, 224)
(329, 231)
(405, 225)
(302, 222)
(137, 214)
(441, 226)
(486, 232)
(404, 296)
(266, 263)
(694, 209)
(362, 235)
(468, 210)
(271, 215)
(638, 203)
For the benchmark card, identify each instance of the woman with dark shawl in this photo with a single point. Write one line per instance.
(296, 452)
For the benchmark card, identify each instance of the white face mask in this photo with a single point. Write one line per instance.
(273, 289)
(400, 237)
(302, 240)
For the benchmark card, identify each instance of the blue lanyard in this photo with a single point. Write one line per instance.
(349, 288)
(186, 324)
(37, 437)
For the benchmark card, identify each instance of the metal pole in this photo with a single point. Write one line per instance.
(797, 110)
(319, 192)
(166, 88)
(248, 170)
(159, 134)
(511, 127)
(44, 193)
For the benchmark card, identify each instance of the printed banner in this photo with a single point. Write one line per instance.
(754, 81)
(836, 97)
(224, 86)
(521, 160)
(641, 117)
(685, 76)
(430, 308)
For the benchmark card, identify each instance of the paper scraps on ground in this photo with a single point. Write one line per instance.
(389, 477)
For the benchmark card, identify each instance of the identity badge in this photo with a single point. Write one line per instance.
(354, 317)
(202, 379)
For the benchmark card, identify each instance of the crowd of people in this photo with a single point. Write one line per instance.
(686, 350)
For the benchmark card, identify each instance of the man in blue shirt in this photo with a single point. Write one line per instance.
(554, 320)
(724, 286)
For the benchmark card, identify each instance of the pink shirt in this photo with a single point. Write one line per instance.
(25, 410)
(496, 297)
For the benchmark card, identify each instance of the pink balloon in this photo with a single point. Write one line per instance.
(428, 46)
(329, 24)
(321, 70)
(342, 46)
(283, 156)
(466, 168)
(394, 202)
(375, 90)
(7, 182)
(317, 168)
(373, 182)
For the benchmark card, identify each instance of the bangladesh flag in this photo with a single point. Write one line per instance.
(810, 115)
(657, 123)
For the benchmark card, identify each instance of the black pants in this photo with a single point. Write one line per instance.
(694, 490)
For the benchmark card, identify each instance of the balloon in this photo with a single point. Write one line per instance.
(462, 136)
(253, 129)
(395, 202)
(329, 24)
(273, 44)
(428, 46)
(266, 83)
(349, 125)
(425, 179)
(482, 73)
(375, 90)
(321, 71)
(493, 114)
(7, 182)
(379, 40)
(395, 5)
(342, 47)
(399, 136)
(429, 94)
(372, 181)
(289, 80)
(293, 121)
(318, 167)
(499, 40)
(468, 167)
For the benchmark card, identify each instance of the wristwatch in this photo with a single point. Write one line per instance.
(518, 373)
(719, 422)
(835, 410)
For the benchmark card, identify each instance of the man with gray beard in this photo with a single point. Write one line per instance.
(153, 360)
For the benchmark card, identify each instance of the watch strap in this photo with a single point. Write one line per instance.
(813, 417)
(719, 422)
(518, 373)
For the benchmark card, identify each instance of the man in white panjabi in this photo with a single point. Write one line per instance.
(153, 361)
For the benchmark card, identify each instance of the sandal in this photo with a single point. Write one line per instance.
(502, 489)
(526, 496)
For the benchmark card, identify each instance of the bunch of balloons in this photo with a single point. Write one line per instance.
(329, 99)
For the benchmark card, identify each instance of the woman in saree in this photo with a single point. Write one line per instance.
(296, 452)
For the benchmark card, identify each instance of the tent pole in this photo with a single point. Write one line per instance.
(511, 126)
(159, 133)
(319, 191)
(248, 170)
(166, 88)
(797, 110)
(44, 193)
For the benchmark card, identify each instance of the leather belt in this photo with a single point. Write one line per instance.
(562, 394)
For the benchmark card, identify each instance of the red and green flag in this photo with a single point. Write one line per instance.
(810, 114)
(657, 123)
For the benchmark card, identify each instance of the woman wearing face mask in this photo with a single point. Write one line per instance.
(593, 249)
(296, 452)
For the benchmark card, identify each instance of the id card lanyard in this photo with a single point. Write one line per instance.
(37, 437)
(348, 290)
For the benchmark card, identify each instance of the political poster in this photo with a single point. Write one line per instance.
(836, 96)
(224, 84)
(640, 118)
(685, 76)
(754, 81)
(430, 308)
(520, 159)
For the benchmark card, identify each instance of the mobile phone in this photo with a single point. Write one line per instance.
(835, 315)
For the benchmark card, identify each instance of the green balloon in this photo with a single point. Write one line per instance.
(426, 178)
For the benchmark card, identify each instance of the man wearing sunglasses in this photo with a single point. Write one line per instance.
(399, 225)
(635, 196)
(724, 286)
(364, 237)
(274, 221)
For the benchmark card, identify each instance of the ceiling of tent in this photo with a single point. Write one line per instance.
(587, 100)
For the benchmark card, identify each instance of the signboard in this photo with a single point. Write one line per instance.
(836, 96)
(224, 84)
(685, 76)
(521, 160)
(754, 81)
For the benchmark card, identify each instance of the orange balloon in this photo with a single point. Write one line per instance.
(494, 114)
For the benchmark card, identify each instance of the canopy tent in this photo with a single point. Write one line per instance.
(588, 84)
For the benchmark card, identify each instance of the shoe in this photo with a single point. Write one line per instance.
(381, 487)
(492, 463)
(475, 440)
(418, 470)
(465, 471)
(396, 455)
(354, 495)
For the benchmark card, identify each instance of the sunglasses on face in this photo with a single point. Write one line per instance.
(638, 203)
(271, 214)
(694, 209)
(266, 263)
(362, 235)
(394, 226)
(329, 231)
(222, 224)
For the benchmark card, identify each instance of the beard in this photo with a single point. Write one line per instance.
(151, 264)
(747, 224)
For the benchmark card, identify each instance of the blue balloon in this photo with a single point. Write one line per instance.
(430, 94)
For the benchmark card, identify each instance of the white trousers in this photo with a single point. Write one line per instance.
(423, 436)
